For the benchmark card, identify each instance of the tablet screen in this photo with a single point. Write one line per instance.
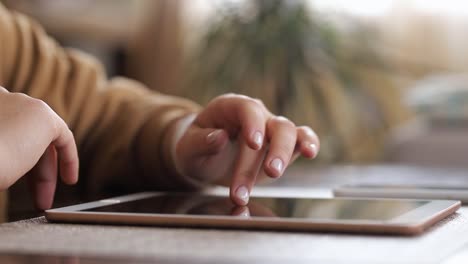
(196, 204)
(447, 188)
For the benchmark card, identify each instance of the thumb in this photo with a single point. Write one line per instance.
(206, 154)
(196, 146)
(199, 142)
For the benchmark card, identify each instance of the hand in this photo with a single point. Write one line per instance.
(234, 139)
(33, 139)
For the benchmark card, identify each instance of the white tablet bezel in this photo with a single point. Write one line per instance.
(410, 223)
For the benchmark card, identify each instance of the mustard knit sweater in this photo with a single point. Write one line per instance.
(120, 126)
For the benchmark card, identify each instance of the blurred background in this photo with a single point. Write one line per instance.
(380, 81)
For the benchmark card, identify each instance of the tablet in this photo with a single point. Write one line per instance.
(391, 216)
(403, 191)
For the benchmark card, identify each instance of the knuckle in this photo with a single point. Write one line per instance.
(307, 131)
(310, 133)
(67, 131)
(283, 121)
(228, 96)
(249, 106)
(261, 104)
(41, 108)
(33, 106)
(21, 97)
(37, 104)
(256, 103)
(259, 101)
(225, 99)
(253, 104)
(44, 112)
(238, 97)
(241, 99)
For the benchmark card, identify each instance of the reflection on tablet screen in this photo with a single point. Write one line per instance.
(196, 204)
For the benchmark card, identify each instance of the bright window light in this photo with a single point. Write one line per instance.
(380, 7)
(356, 7)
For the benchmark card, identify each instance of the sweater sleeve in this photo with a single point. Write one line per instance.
(121, 128)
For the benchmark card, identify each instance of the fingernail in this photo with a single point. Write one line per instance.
(244, 213)
(258, 139)
(314, 149)
(212, 136)
(243, 194)
(277, 165)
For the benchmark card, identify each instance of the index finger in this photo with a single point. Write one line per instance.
(248, 166)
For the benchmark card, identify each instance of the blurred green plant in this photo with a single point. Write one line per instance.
(266, 41)
(299, 65)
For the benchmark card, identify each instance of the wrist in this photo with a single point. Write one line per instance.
(153, 150)
(178, 129)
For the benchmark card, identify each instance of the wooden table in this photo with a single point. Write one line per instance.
(446, 242)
